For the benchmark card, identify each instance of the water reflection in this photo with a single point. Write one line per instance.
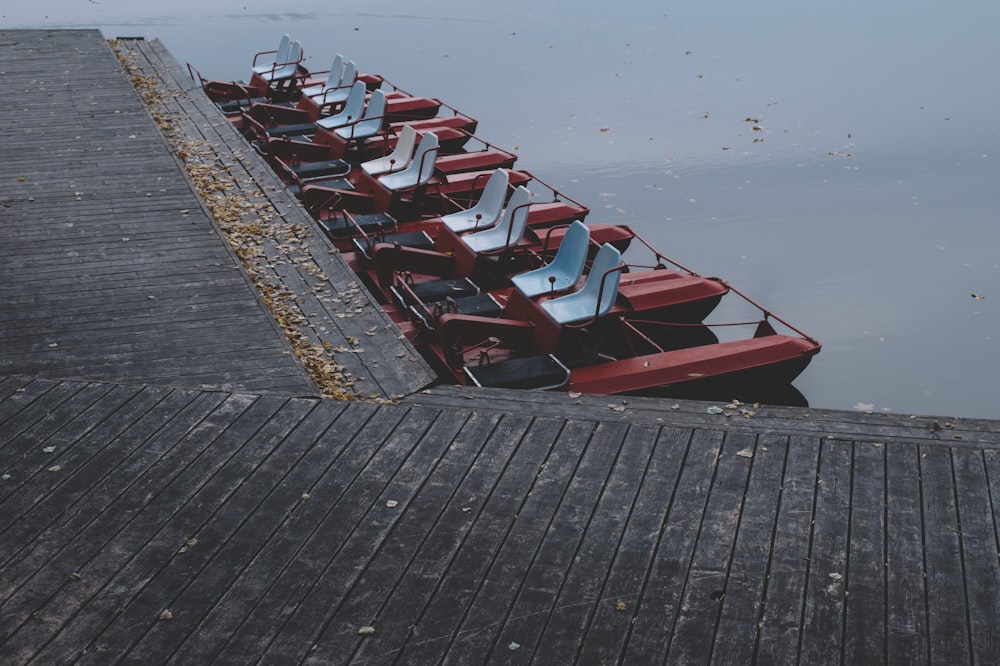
(830, 160)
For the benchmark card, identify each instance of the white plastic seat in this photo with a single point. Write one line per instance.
(593, 299)
(509, 230)
(398, 158)
(280, 56)
(370, 121)
(420, 169)
(338, 94)
(333, 79)
(564, 271)
(287, 68)
(487, 210)
(354, 106)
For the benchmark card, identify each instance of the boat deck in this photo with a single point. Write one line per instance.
(218, 514)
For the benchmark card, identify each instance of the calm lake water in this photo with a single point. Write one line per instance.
(839, 163)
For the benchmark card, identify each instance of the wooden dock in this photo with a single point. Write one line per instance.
(163, 501)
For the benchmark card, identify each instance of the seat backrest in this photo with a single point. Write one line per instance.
(509, 230)
(284, 46)
(288, 66)
(487, 210)
(371, 119)
(515, 216)
(398, 158)
(354, 106)
(336, 73)
(608, 257)
(349, 74)
(490, 204)
(420, 170)
(564, 271)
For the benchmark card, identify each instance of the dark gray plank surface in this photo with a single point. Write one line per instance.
(112, 270)
(178, 526)
(299, 272)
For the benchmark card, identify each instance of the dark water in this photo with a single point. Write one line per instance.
(840, 163)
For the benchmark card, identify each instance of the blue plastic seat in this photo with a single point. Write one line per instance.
(339, 93)
(353, 108)
(280, 56)
(487, 210)
(509, 230)
(370, 121)
(420, 169)
(564, 271)
(593, 299)
(333, 79)
(398, 159)
(281, 70)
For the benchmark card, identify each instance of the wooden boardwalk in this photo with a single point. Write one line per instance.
(164, 501)
(113, 269)
(275, 529)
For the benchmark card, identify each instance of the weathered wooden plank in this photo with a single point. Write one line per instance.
(546, 579)
(57, 460)
(707, 579)
(823, 613)
(160, 490)
(605, 639)
(229, 540)
(661, 595)
(789, 568)
(373, 531)
(947, 623)
(980, 563)
(432, 521)
(585, 591)
(906, 594)
(743, 602)
(23, 449)
(495, 515)
(345, 494)
(865, 579)
(850, 426)
(484, 619)
(178, 514)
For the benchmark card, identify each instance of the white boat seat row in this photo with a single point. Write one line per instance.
(596, 296)
(280, 56)
(353, 107)
(564, 271)
(370, 121)
(487, 210)
(337, 94)
(420, 169)
(333, 78)
(509, 230)
(398, 159)
(281, 70)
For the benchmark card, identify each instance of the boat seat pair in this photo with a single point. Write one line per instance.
(508, 231)
(340, 78)
(597, 295)
(487, 210)
(284, 67)
(280, 55)
(564, 271)
(419, 170)
(353, 110)
(398, 159)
